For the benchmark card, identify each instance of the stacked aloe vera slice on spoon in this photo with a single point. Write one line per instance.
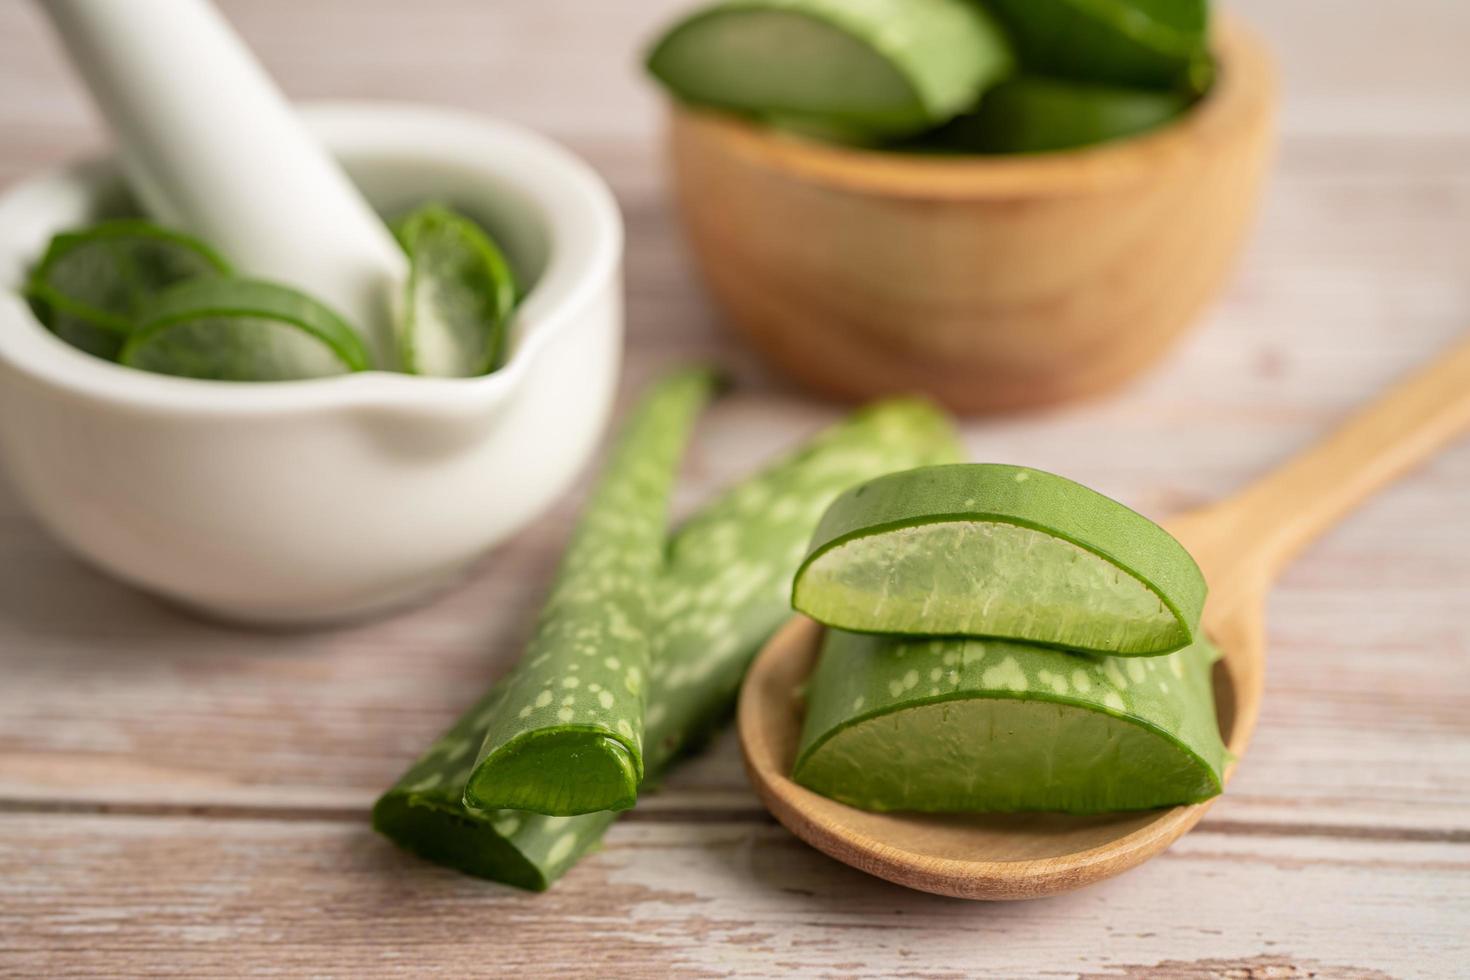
(642, 644)
(158, 300)
(951, 76)
(1001, 639)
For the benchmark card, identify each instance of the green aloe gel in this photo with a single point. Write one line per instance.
(90, 285)
(458, 298)
(241, 330)
(965, 725)
(876, 67)
(979, 549)
(567, 737)
(723, 590)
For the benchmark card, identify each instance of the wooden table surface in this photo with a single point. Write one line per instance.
(183, 798)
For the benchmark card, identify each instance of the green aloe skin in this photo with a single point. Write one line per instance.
(946, 76)
(150, 298)
(723, 590)
(873, 67)
(567, 737)
(90, 285)
(966, 725)
(983, 549)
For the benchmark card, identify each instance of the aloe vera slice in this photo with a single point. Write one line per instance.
(978, 549)
(1034, 115)
(568, 736)
(712, 621)
(242, 330)
(1152, 43)
(90, 285)
(458, 297)
(956, 725)
(879, 66)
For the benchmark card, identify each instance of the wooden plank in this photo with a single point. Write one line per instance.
(122, 896)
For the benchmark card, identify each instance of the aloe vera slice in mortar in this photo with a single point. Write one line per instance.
(881, 66)
(1152, 43)
(568, 736)
(954, 725)
(458, 297)
(978, 549)
(712, 621)
(242, 330)
(1034, 115)
(90, 285)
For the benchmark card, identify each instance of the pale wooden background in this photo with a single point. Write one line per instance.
(181, 798)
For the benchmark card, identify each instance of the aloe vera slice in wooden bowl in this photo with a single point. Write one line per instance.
(90, 285)
(980, 549)
(1031, 114)
(567, 738)
(723, 591)
(964, 725)
(458, 297)
(242, 330)
(881, 66)
(1155, 43)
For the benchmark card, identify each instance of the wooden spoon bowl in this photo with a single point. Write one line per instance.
(1240, 544)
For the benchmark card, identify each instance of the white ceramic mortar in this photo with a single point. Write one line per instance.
(304, 501)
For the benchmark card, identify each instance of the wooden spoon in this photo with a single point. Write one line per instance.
(1241, 544)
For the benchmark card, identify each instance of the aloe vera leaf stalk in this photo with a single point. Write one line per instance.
(876, 67)
(944, 725)
(716, 621)
(985, 549)
(567, 737)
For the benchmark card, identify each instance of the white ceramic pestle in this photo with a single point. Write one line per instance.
(210, 145)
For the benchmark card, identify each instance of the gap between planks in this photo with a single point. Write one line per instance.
(685, 815)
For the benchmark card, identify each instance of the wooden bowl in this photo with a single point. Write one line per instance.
(990, 283)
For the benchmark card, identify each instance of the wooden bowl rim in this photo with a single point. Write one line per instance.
(1241, 100)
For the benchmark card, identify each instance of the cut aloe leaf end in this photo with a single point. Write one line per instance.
(977, 549)
(960, 725)
(888, 67)
(90, 286)
(458, 298)
(1036, 115)
(723, 591)
(1149, 43)
(568, 737)
(242, 330)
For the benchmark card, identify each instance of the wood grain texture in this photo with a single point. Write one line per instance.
(183, 798)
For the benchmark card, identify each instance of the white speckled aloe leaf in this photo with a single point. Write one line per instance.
(458, 297)
(241, 330)
(977, 549)
(956, 725)
(876, 66)
(715, 621)
(1151, 43)
(90, 285)
(568, 736)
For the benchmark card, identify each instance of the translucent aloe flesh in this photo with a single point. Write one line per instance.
(877, 66)
(90, 285)
(567, 737)
(241, 330)
(964, 725)
(458, 297)
(999, 551)
(711, 621)
(1150, 43)
(1035, 115)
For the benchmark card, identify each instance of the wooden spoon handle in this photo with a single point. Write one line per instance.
(1245, 540)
